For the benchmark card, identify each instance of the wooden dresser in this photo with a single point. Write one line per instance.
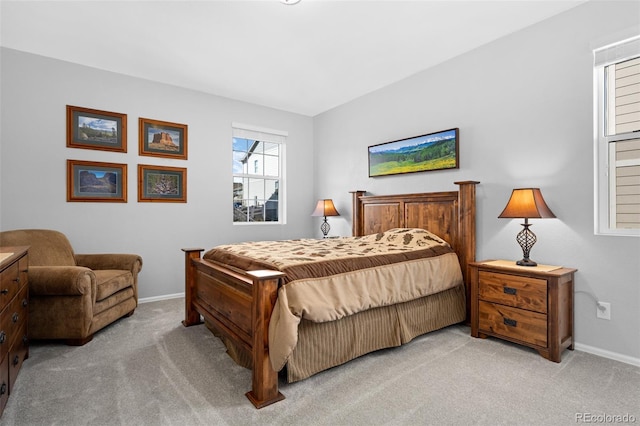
(532, 306)
(14, 300)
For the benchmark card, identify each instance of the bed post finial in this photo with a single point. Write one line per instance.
(467, 231)
(191, 317)
(357, 224)
(264, 389)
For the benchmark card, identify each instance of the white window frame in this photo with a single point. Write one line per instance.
(264, 134)
(604, 146)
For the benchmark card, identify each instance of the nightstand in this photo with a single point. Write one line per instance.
(531, 306)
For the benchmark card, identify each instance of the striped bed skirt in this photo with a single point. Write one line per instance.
(325, 345)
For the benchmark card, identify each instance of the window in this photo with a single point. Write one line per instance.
(258, 159)
(617, 179)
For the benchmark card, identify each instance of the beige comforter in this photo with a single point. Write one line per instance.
(332, 278)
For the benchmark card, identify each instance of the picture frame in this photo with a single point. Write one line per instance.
(162, 139)
(428, 152)
(162, 184)
(96, 181)
(94, 129)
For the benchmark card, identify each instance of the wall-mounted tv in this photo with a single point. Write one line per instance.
(433, 151)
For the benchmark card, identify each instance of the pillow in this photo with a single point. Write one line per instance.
(406, 237)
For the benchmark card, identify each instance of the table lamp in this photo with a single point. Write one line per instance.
(526, 203)
(325, 208)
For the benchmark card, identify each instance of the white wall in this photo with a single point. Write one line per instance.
(524, 107)
(34, 93)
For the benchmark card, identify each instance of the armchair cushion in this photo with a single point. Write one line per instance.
(111, 281)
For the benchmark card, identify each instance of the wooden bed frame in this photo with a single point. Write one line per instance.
(239, 303)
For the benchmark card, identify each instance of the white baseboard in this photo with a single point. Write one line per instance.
(608, 354)
(163, 297)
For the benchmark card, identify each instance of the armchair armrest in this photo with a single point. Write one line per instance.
(61, 281)
(126, 262)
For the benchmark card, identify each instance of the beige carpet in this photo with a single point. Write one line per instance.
(150, 370)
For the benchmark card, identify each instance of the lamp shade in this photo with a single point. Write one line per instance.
(526, 203)
(325, 208)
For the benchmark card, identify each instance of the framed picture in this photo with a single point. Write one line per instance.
(160, 183)
(94, 181)
(94, 129)
(433, 151)
(162, 139)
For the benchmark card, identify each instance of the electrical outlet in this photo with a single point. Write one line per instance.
(603, 310)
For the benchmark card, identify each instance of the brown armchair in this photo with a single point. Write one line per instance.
(71, 296)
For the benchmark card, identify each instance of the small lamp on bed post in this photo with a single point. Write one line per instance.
(325, 208)
(526, 203)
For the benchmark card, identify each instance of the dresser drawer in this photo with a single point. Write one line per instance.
(514, 323)
(4, 382)
(513, 290)
(14, 316)
(9, 284)
(4, 334)
(18, 353)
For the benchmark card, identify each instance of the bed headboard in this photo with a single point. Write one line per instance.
(451, 215)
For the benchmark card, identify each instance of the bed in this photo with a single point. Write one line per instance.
(253, 302)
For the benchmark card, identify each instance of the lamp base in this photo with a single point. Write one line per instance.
(325, 227)
(526, 262)
(526, 238)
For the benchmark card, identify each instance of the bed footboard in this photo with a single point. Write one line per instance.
(239, 304)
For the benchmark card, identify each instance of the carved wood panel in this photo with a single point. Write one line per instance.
(381, 217)
(439, 218)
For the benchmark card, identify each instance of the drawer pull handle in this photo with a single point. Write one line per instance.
(3, 336)
(24, 303)
(510, 290)
(16, 360)
(17, 280)
(15, 317)
(511, 322)
(25, 339)
(4, 291)
(3, 389)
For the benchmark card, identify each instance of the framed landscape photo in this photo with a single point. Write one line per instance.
(93, 129)
(433, 151)
(160, 183)
(162, 139)
(95, 181)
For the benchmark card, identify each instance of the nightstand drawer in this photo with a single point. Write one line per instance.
(519, 324)
(513, 290)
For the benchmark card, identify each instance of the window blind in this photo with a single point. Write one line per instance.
(617, 52)
(246, 131)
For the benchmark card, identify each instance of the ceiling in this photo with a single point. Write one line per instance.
(305, 58)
